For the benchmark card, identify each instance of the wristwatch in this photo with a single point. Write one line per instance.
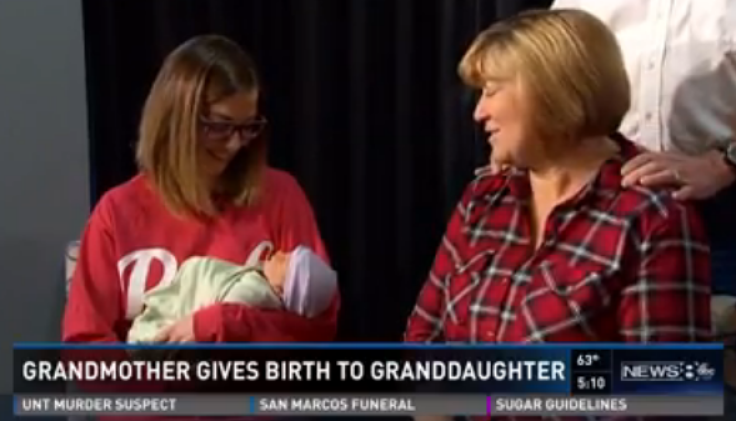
(729, 156)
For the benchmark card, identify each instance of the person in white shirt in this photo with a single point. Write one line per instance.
(681, 59)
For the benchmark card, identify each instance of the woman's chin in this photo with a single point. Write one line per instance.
(216, 167)
(500, 157)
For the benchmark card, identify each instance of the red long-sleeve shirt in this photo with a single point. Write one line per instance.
(616, 264)
(132, 243)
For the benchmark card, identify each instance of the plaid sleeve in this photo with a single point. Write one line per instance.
(669, 300)
(427, 321)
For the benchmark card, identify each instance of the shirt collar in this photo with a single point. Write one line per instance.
(606, 182)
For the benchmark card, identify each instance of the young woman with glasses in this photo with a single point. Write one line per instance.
(204, 189)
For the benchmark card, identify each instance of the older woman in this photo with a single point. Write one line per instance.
(204, 189)
(554, 249)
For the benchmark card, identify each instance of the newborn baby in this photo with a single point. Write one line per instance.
(298, 281)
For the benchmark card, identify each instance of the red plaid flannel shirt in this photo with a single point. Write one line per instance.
(616, 265)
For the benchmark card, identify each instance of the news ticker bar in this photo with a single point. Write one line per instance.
(364, 405)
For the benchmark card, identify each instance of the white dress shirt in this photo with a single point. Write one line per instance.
(681, 59)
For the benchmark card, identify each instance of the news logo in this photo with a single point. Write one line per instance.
(666, 371)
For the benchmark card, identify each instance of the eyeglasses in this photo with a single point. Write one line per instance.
(223, 131)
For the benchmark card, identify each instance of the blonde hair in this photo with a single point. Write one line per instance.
(201, 71)
(568, 62)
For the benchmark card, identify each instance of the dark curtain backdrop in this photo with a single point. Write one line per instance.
(366, 110)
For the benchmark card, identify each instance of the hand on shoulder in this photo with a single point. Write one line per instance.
(691, 177)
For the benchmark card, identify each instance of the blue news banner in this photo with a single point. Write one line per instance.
(368, 379)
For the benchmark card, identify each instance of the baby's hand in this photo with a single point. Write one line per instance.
(275, 269)
(181, 331)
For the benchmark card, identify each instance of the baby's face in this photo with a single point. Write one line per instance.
(275, 268)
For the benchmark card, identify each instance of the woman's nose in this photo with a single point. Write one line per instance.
(480, 113)
(235, 142)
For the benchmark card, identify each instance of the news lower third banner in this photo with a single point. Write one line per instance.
(678, 378)
(365, 405)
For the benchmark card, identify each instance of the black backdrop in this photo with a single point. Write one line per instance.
(366, 109)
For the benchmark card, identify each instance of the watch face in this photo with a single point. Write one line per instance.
(731, 153)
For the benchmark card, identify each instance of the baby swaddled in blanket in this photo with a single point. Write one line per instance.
(298, 281)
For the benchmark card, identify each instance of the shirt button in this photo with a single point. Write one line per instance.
(650, 64)
(648, 116)
(490, 335)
